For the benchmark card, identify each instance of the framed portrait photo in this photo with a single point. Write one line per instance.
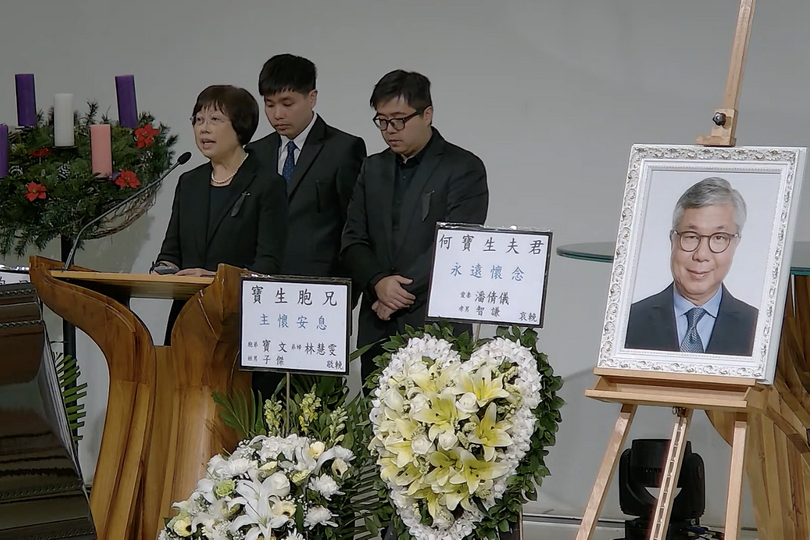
(702, 261)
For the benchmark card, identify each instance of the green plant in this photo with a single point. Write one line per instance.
(68, 372)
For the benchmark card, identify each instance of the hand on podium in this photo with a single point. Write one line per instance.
(196, 272)
(162, 268)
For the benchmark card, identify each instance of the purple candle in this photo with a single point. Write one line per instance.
(3, 150)
(26, 100)
(127, 106)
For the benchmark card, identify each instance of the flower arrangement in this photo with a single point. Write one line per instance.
(51, 191)
(312, 482)
(460, 430)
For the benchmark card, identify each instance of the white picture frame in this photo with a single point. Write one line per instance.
(769, 180)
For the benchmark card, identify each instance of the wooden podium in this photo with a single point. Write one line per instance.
(161, 426)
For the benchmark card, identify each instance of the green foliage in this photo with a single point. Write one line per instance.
(73, 195)
(68, 372)
(532, 469)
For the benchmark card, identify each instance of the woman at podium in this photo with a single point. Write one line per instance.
(231, 210)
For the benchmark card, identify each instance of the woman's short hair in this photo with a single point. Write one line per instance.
(237, 103)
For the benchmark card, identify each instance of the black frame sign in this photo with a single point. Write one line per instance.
(489, 275)
(295, 324)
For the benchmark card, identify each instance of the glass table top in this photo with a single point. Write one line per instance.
(603, 252)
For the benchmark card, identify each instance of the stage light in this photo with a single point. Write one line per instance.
(640, 469)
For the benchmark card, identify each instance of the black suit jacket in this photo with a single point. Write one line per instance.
(651, 325)
(449, 185)
(249, 232)
(319, 194)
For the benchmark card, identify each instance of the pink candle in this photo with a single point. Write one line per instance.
(101, 149)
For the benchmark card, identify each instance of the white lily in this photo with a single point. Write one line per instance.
(256, 499)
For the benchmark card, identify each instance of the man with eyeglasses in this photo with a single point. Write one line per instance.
(400, 194)
(697, 313)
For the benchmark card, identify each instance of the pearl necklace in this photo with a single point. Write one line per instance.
(227, 180)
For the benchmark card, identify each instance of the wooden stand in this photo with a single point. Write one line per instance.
(735, 407)
(725, 118)
(161, 426)
(768, 427)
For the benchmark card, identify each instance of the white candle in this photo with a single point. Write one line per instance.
(63, 120)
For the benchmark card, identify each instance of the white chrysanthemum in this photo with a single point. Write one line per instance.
(343, 453)
(242, 452)
(326, 486)
(222, 469)
(318, 515)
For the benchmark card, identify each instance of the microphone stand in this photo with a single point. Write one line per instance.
(68, 251)
(72, 253)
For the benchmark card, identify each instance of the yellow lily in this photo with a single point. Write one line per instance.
(443, 415)
(394, 402)
(406, 426)
(444, 464)
(455, 494)
(407, 476)
(432, 382)
(400, 448)
(388, 468)
(435, 502)
(474, 472)
(489, 433)
(481, 385)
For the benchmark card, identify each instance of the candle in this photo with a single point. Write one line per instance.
(127, 105)
(63, 120)
(3, 150)
(101, 149)
(26, 100)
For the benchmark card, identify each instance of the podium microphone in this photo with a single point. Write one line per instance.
(182, 160)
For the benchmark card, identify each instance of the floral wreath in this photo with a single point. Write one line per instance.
(461, 430)
(51, 191)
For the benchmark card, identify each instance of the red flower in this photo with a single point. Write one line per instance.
(144, 136)
(35, 191)
(127, 179)
(41, 153)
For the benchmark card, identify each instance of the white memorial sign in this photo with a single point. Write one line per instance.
(489, 275)
(294, 325)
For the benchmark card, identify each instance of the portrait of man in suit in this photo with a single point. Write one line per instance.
(319, 163)
(401, 193)
(696, 313)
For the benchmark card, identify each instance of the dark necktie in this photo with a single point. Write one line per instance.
(691, 341)
(289, 162)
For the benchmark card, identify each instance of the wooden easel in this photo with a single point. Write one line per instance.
(769, 425)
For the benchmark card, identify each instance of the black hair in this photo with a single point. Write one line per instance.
(237, 103)
(413, 87)
(287, 72)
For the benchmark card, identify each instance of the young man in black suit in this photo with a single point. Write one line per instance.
(400, 194)
(320, 164)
